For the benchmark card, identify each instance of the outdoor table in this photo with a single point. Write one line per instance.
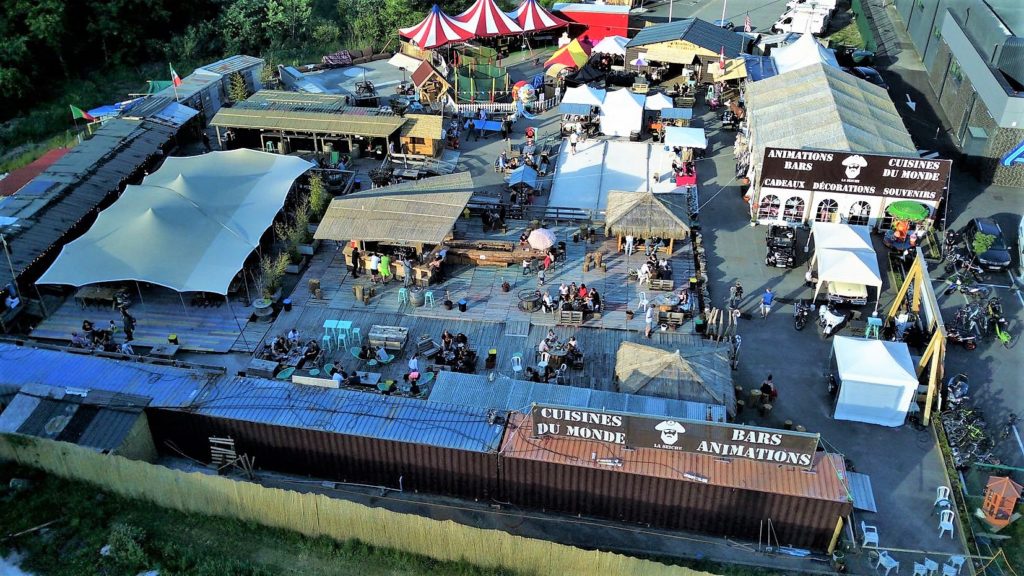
(682, 180)
(368, 378)
(390, 337)
(87, 294)
(343, 326)
(484, 125)
(557, 354)
(666, 301)
(529, 300)
(164, 350)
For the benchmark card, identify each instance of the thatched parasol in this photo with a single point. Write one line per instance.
(696, 374)
(644, 214)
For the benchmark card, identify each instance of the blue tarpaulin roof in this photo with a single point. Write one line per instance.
(677, 114)
(176, 114)
(523, 175)
(759, 67)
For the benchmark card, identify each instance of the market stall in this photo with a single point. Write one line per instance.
(580, 109)
(683, 146)
(844, 254)
(622, 113)
(876, 392)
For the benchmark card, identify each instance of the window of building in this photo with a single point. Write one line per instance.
(794, 211)
(769, 208)
(826, 211)
(860, 213)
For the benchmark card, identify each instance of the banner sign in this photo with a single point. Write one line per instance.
(710, 438)
(855, 173)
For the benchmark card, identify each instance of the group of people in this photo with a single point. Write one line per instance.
(103, 338)
(494, 219)
(380, 267)
(573, 356)
(456, 353)
(571, 297)
(680, 168)
(654, 267)
(291, 345)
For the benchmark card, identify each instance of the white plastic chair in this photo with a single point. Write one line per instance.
(517, 363)
(946, 522)
(870, 535)
(956, 561)
(931, 566)
(887, 562)
(544, 359)
(643, 301)
(560, 374)
(942, 494)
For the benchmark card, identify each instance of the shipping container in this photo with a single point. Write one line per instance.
(675, 490)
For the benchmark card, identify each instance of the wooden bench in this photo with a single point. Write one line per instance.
(663, 285)
(569, 318)
(314, 381)
(672, 318)
(427, 348)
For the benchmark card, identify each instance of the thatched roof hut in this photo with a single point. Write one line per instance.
(646, 215)
(696, 374)
(412, 213)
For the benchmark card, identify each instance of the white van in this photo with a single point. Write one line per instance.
(827, 4)
(802, 22)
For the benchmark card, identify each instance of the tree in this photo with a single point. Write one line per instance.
(238, 90)
(243, 26)
(286, 17)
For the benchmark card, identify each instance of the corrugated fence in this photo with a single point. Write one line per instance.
(318, 515)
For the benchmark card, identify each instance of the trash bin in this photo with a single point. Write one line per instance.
(492, 359)
(462, 305)
(172, 339)
(287, 303)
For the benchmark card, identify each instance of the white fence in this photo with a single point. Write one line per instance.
(534, 107)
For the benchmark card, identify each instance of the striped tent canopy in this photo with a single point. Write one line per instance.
(436, 30)
(485, 19)
(532, 17)
(572, 54)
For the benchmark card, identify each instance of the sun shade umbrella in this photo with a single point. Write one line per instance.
(572, 54)
(639, 61)
(436, 30)
(532, 17)
(485, 19)
(541, 239)
(908, 210)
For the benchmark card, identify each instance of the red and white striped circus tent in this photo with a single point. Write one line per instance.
(436, 30)
(532, 17)
(485, 19)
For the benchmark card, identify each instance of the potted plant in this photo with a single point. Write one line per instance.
(318, 200)
(303, 237)
(268, 283)
(629, 314)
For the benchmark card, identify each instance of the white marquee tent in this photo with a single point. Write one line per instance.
(615, 45)
(805, 51)
(842, 236)
(189, 226)
(584, 95)
(878, 391)
(843, 253)
(622, 112)
(658, 101)
(685, 137)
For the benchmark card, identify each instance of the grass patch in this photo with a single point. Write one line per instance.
(848, 35)
(29, 154)
(144, 536)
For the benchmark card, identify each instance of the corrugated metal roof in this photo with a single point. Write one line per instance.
(506, 394)
(823, 482)
(292, 101)
(233, 64)
(298, 121)
(147, 107)
(166, 385)
(693, 30)
(17, 179)
(350, 412)
(1011, 58)
(822, 107)
(191, 85)
(84, 178)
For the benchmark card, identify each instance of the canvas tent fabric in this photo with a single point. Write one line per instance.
(415, 212)
(735, 69)
(189, 226)
(532, 17)
(572, 55)
(584, 95)
(805, 51)
(841, 236)
(824, 108)
(875, 392)
(685, 137)
(614, 45)
(695, 374)
(657, 101)
(436, 30)
(622, 112)
(645, 215)
(524, 175)
(848, 266)
(484, 19)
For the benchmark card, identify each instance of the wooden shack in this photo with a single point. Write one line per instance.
(422, 134)
(430, 84)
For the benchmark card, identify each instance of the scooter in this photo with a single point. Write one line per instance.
(830, 381)
(829, 319)
(801, 312)
(949, 243)
(957, 389)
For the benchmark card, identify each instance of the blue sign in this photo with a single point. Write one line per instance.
(1015, 156)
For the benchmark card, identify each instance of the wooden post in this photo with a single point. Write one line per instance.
(835, 536)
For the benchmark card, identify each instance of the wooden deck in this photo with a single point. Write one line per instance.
(160, 313)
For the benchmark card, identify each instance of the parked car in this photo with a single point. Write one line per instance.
(725, 24)
(997, 257)
(780, 246)
(848, 56)
(869, 74)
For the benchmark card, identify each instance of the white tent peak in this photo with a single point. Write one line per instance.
(805, 51)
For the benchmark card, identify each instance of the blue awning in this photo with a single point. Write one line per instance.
(102, 111)
(759, 67)
(574, 109)
(523, 175)
(176, 114)
(677, 114)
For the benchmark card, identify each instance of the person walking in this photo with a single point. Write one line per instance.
(540, 277)
(735, 295)
(768, 391)
(127, 324)
(766, 302)
(573, 139)
(206, 142)
(629, 245)
(407, 271)
(385, 268)
(355, 262)
(649, 321)
(374, 268)
(734, 352)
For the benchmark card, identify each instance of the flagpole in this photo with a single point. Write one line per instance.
(724, 4)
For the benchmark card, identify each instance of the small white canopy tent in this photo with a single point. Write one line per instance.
(844, 253)
(584, 95)
(842, 236)
(685, 137)
(878, 391)
(805, 51)
(658, 101)
(188, 227)
(615, 45)
(622, 112)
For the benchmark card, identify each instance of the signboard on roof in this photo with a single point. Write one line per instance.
(699, 437)
(855, 173)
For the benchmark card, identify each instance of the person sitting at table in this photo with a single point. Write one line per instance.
(338, 376)
(381, 354)
(549, 303)
(366, 353)
(280, 346)
(461, 340)
(582, 292)
(573, 290)
(572, 352)
(353, 379)
(549, 374)
(532, 375)
(684, 299)
(293, 336)
(311, 352)
(563, 292)
(543, 347)
(551, 338)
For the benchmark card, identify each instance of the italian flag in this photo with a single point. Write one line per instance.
(77, 113)
(174, 77)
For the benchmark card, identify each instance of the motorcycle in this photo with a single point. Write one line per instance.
(801, 312)
(957, 389)
(830, 382)
(949, 243)
(963, 336)
(956, 284)
(830, 318)
(961, 263)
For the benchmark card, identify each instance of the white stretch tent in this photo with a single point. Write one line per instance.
(804, 52)
(878, 380)
(622, 112)
(685, 137)
(844, 253)
(615, 45)
(658, 101)
(584, 95)
(189, 226)
(842, 236)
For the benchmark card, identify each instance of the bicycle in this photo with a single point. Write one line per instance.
(1004, 336)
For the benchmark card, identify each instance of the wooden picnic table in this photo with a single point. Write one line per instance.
(87, 294)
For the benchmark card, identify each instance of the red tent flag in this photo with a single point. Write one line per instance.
(77, 113)
(175, 79)
(721, 59)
